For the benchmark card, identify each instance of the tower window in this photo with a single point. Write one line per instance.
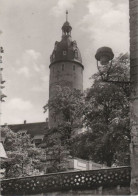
(64, 52)
(62, 67)
(73, 67)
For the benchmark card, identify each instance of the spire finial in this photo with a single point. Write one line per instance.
(66, 15)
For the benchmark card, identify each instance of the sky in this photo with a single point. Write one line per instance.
(28, 31)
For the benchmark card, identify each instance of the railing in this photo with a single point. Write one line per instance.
(80, 180)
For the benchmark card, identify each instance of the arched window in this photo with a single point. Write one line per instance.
(73, 67)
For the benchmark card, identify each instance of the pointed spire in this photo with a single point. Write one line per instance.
(66, 28)
(66, 15)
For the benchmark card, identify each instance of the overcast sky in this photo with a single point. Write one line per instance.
(28, 31)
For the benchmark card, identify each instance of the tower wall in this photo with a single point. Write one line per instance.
(64, 73)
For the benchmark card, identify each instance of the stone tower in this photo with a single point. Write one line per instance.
(66, 67)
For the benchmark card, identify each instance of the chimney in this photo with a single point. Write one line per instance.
(24, 121)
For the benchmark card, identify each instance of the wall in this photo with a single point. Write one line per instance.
(80, 164)
(62, 73)
(114, 181)
(134, 93)
(99, 191)
(71, 77)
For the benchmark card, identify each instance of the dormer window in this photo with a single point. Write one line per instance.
(56, 45)
(22, 132)
(76, 54)
(64, 52)
(74, 44)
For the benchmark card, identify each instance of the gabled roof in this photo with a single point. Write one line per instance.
(31, 128)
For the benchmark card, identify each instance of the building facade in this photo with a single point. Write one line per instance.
(36, 130)
(66, 67)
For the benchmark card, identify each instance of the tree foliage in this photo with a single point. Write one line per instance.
(103, 109)
(24, 158)
(56, 148)
(106, 115)
(68, 103)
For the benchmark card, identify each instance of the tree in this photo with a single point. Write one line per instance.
(68, 103)
(104, 112)
(23, 157)
(56, 149)
(106, 115)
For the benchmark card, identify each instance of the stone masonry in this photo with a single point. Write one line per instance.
(134, 94)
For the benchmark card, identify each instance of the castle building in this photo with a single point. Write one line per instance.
(36, 130)
(66, 68)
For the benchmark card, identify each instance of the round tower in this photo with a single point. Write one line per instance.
(66, 67)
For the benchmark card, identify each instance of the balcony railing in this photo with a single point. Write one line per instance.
(80, 180)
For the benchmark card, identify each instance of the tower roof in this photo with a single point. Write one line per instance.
(66, 28)
(66, 49)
